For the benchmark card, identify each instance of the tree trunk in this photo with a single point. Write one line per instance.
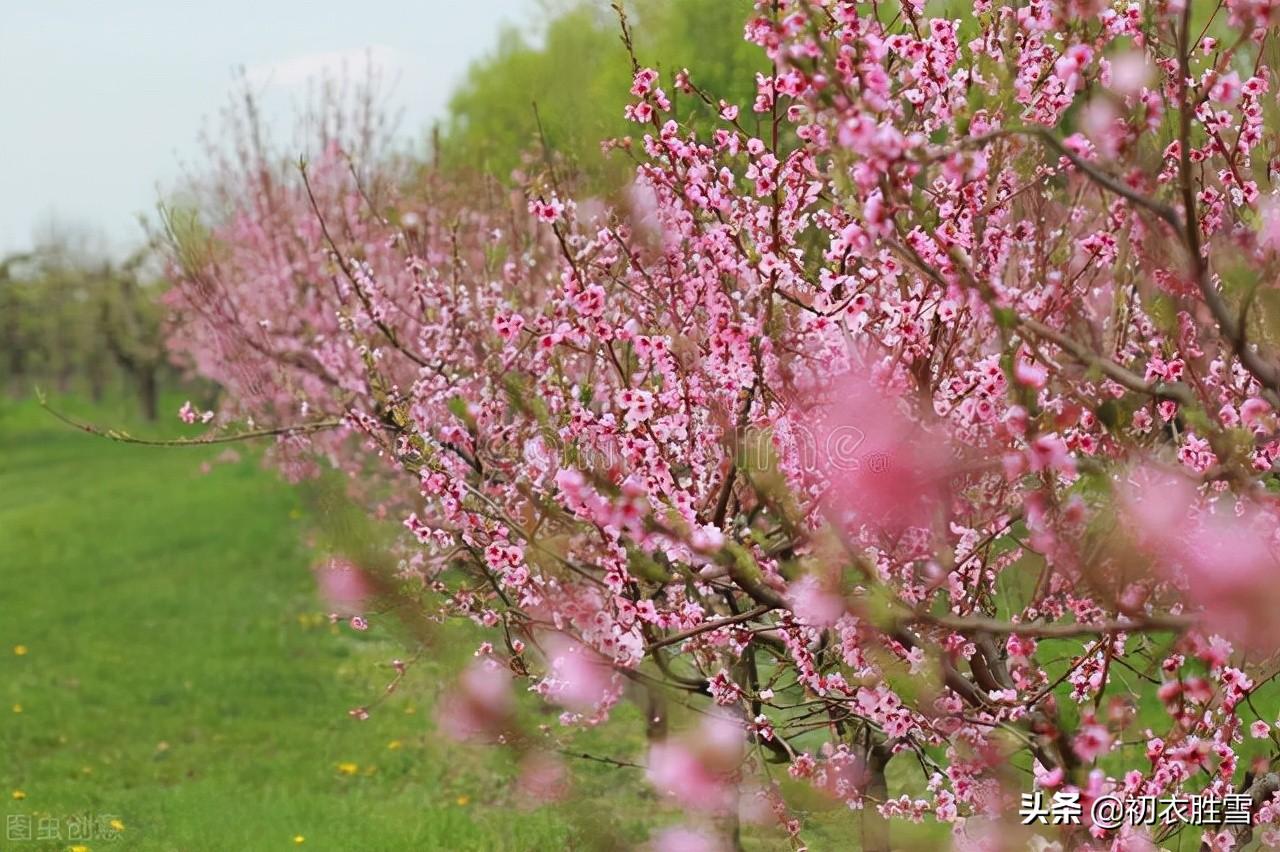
(18, 370)
(656, 711)
(730, 830)
(97, 381)
(875, 828)
(148, 393)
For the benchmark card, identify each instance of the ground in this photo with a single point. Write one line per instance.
(165, 664)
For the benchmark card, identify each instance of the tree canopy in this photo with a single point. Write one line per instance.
(578, 74)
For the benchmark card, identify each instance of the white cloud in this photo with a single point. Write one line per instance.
(386, 62)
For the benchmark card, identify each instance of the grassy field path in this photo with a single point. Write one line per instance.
(166, 676)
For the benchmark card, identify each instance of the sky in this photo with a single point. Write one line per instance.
(104, 101)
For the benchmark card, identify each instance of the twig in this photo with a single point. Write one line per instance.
(708, 627)
(204, 440)
(965, 624)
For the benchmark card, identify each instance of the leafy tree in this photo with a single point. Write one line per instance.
(578, 74)
(131, 323)
(15, 330)
(70, 321)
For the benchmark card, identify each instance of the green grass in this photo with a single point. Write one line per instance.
(177, 674)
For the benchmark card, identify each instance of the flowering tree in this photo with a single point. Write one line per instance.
(914, 424)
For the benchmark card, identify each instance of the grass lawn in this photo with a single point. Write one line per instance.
(164, 663)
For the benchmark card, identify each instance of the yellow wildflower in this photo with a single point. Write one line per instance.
(20, 650)
(348, 768)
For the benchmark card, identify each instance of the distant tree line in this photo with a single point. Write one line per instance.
(70, 323)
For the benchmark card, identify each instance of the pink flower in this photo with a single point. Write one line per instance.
(1130, 72)
(546, 211)
(590, 302)
(1092, 742)
(1049, 779)
(480, 706)
(1269, 231)
(1031, 374)
(885, 469)
(697, 771)
(1049, 452)
(813, 603)
(508, 326)
(1223, 556)
(638, 405)
(643, 82)
(343, 586)
(1259, 730)
(1142, 421)
(580, 678)
(188, 414)
(641, 113)
(1156, 500)
(1226, 90)
(1253, 410)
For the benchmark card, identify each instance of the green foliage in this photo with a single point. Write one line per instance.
(48, 330)
(69, 322)
(579, 75)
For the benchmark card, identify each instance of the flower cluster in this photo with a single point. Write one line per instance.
(921, 411)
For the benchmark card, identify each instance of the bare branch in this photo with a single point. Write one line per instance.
(201, 441)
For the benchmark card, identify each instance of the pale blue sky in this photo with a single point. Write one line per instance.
(104, 100)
